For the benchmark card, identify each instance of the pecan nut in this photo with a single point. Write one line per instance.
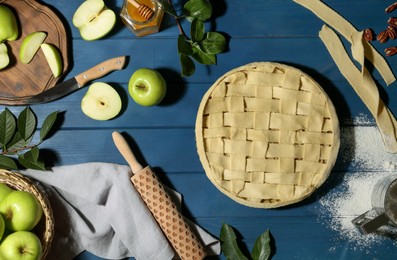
(391, 31)
(383, 36)
(391, 8)
(392, 21)
(390, 51)
(368, 34)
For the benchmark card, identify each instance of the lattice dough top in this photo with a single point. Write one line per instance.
(267, 135)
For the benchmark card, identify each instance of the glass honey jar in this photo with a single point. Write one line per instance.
(135, 20)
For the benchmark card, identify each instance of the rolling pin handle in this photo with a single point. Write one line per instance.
(126, 152)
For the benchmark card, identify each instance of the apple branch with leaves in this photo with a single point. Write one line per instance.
(16, 135)
(230, 248)
(201, 46)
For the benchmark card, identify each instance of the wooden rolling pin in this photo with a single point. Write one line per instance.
(185, 242)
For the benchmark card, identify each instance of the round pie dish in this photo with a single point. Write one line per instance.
(267, 135)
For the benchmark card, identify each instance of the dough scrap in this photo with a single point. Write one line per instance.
(363, 83)
(346, 29)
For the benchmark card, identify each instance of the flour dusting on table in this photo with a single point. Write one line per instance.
(362, 149)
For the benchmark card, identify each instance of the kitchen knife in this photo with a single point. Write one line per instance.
(79, 81)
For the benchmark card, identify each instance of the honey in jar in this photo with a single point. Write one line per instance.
(138, 24)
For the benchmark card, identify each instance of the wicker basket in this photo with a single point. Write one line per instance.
(45, 228)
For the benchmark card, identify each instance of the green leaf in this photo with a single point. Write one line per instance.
(35, 152)
(26, 123)
(213, 43)
(202, 57)
(7, 163)
(188, 67)
(31, 159)
(197, 30)
(184, 46)
(7, 126)
(168, 8)
(229, 244)
(16, 143)
(200, 9)
(48, 124)
(262, 249)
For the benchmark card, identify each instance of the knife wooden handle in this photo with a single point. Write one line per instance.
(126, 152)
(100, 70)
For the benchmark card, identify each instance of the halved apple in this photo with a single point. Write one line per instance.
(93, 19)
(53, 57)
(30, 45)
(4, 58)
(101, 102)
(9, 30)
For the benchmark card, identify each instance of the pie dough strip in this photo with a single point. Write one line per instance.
(346, 29)
(363, 84)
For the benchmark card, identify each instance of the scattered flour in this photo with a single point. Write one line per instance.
(361, 150)
(339, 209)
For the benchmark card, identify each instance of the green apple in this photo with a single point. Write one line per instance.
(4, 58)
(21, 245)
(101, 102)
(2, 227)
(21, 211)
(4, 191)
(93, 19)
(53, 57)
(8, 25)
(147, 87)
(30, 45)
(8, 32)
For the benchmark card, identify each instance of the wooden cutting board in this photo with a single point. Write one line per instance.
(19, 81)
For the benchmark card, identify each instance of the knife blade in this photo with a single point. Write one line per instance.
(64, 88)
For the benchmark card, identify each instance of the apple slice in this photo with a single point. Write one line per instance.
(94, 20)
(53, 57)
(4, 58)
(30, 45)
(101, 102)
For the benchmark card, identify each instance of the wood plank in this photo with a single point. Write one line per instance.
(272, 19)
(179, 98)
(308, 55)
(291, 238)
(174, 149)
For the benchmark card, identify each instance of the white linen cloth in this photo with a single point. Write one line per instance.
(97, 208)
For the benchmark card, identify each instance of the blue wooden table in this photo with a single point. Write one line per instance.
(272, 30)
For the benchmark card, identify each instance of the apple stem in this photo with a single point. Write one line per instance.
(142, 86)
(8, 214)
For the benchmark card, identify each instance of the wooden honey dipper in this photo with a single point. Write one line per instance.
(145, 11)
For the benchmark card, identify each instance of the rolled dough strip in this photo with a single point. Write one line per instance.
(346, 29)
(362, 82)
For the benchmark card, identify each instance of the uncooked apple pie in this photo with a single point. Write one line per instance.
(267, 135)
